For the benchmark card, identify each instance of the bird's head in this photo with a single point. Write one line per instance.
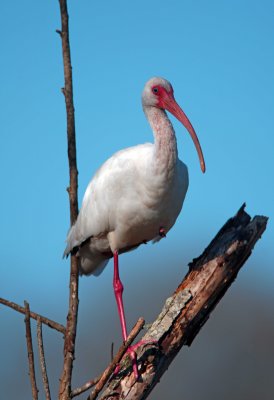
(158, 92)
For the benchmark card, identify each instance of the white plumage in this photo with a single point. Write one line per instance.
(137, 191)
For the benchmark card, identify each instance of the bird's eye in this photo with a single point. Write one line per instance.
(155, 90)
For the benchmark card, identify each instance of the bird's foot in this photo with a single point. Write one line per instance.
(162, 232)
(131, 351)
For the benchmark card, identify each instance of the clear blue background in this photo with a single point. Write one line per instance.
(219, 57)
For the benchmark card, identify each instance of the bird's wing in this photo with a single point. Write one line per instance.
(114, 180)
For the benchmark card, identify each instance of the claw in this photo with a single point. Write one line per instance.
(131, 351)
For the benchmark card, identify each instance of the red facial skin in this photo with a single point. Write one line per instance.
(167, 102)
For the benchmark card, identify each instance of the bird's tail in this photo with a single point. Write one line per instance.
(91, 260)
(92, 265)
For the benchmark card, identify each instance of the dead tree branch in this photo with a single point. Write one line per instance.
(70, 336)
(30, 353)
(42, 359)
(33, 315)
(186, 311)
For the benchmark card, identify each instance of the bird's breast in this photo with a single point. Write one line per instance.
(153, 202)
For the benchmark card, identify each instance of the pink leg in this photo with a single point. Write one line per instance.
(118, 291)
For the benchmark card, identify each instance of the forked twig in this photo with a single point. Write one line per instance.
(33, 315)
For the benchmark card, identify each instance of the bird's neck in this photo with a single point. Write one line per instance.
(165, 144)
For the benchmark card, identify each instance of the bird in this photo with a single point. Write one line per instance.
(136, 196)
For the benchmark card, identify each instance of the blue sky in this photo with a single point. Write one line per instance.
(219, 57)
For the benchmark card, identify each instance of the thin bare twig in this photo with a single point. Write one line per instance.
(85, 387)
(68, 93)
(42, 359)
(30, 353)
(70, 336)
(108, 371)
(33, 315)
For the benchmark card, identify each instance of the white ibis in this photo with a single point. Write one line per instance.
(136, 195)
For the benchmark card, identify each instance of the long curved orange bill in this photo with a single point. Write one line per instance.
(171, 105)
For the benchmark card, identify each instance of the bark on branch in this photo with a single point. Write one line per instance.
(70, 335)
(186, 311)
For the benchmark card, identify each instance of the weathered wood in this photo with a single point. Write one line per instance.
(186, 311)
